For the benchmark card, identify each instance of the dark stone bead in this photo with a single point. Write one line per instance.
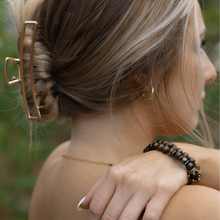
(159, 147)
(154, 146)
(183, 160)
(185, 154)
(150, 147)
(192, 160)
(160, 141)
(195, 175)
(180, 150)
(189, 166)
(165, 149)
(177, 155)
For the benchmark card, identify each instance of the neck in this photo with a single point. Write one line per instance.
(111, 138)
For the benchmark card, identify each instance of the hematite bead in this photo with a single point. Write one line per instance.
(173, 153)
(197, 166)
(154, 146)
(185, 154)
(165, 149)
(170, 151)
(189, 166)
(159, 141)
(192, 160)
(180, 157)
(177, 155)
(183, 160)
(159, 147)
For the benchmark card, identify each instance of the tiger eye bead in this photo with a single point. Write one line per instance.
(180, 150)
(165, 142)
(159, 147)
(154, 146)
(146, 149)
(170, 152)
(183, 160)
(185, 154)
(197, 166)
(192, 160)
(170, 145)
(189, 166)
(159, 141)
(177, 155)
(165, 149)
(174, 147)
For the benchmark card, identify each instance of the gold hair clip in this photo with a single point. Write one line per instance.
(20, 79)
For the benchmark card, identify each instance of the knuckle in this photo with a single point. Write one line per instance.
(125, 218)
(129, 178)
(163, 186)
(108, 217)
(115, 171)
(150, 216)
(95, 209)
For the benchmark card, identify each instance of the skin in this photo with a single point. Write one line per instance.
(124, 190)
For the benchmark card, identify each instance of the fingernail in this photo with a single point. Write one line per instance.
(81, 201)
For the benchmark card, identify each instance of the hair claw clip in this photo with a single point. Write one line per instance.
(20, 79)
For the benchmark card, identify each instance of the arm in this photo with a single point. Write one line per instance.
(152, 174)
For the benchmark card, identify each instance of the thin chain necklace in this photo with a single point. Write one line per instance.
(88, 161)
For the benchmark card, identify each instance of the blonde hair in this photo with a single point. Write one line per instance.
(99, 55)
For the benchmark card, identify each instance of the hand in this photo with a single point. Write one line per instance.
(138, 183)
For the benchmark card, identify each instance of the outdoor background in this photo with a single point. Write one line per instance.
(19, 167)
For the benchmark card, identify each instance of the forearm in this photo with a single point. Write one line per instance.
(209, 162)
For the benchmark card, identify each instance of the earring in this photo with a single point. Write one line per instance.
(152, 93)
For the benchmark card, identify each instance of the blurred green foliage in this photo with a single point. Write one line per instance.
(19, 167)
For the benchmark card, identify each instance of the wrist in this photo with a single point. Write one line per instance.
(192, 167)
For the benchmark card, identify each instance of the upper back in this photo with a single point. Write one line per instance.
(62, 183)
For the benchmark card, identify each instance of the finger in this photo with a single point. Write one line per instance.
(90, 194)
(156, 206)
(117, 203)
(101, 199)
(135, 206)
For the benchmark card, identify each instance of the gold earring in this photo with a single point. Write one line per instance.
(152, 93)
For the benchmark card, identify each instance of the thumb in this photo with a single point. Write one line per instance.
(85, 202)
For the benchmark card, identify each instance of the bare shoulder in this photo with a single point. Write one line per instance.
(194, 203)
(61, 184)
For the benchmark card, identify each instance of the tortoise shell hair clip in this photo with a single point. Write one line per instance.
(20, 79)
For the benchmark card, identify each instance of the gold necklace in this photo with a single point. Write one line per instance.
(88, 161)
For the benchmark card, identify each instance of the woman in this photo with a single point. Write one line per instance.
(97, 62)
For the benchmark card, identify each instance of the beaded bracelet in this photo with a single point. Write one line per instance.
(193, 168)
